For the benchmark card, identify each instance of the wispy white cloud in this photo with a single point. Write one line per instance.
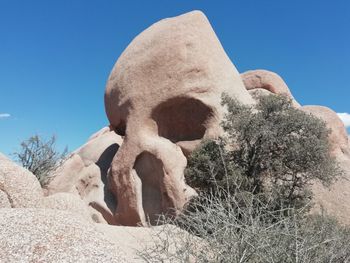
(4, 115)
(345, 117)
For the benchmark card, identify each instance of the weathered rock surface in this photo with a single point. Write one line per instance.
(164, 94)
(4, 200)
(151, 243)
(59, 228)
(338, 137)
(19, 187)
(67, 202)
(84, 174)
(266, 80)
(335, 199)
(45, 235)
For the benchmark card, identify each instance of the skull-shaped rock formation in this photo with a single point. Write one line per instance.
(164, 96)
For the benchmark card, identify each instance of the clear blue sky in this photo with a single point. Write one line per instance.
(55, 56)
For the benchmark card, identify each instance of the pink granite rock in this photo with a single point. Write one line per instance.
(164, 95)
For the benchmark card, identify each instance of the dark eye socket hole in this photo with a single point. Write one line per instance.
(121, 128)
(182, 119)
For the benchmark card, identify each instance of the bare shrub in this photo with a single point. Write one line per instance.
(230, 232)
(40, 156)
(254, 192)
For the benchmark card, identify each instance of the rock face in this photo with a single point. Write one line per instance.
(84, 174)
(44, 235)
(59, 228)
(18, 186)
(66, 202)
(257, 82)
(47, 235)
(334, 200)
(338, 137)
(164, 95)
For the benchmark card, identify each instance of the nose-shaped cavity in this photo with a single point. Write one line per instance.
(150, 171)
(182, 119)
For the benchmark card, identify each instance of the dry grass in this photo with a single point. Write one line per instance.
(223, 231)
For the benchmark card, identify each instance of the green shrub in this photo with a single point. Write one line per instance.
(254, 192)
(272, 150)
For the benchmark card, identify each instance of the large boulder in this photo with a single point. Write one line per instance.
(45, 235)
(4, 200)
(67, 202)
(263, 82)
(334, 200)
(59, 227)
(164, 95)
(18, 186)
(338, 136)
(165, 243)
(84, 174)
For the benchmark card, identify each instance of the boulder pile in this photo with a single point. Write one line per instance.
(162, 98)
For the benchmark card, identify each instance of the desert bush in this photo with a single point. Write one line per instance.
(245, 234)
(273, 150)
(254, 194)
(40, 156)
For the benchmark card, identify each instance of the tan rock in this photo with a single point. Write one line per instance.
(45, 235)
(338, 137)
(4, 200)
(164, 91)
(335, 199)
(84, 174)
(152, 244)
(268, 80)
(20, 186)
(99, 133)
(67, 202)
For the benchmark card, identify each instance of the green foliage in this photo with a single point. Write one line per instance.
(272, 150)
(254, 192)
(39, 156)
